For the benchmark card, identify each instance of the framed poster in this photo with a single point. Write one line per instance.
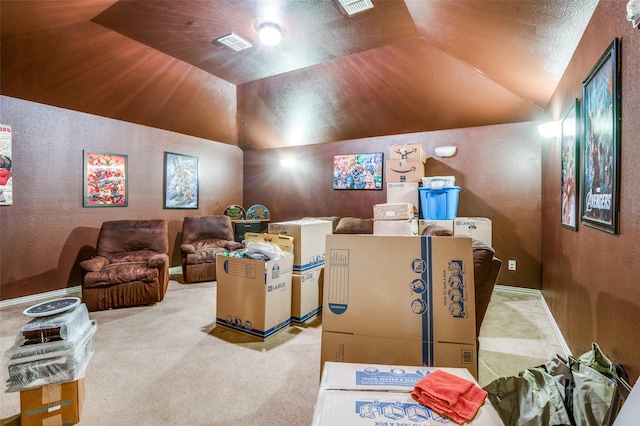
(6, 177)
(569, 165)
(105, 179)
(357, 171)
(600, 147)
(181, 184)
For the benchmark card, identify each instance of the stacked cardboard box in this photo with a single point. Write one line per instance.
(399, 299)
(406, 163)
(475, 227)
(308, 264)
(376, 394)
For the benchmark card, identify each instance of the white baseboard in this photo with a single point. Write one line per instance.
(554, 324)
(40, 296)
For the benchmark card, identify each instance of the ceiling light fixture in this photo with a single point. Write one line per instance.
(270, 34)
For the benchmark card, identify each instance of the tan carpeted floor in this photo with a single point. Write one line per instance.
(168, 364)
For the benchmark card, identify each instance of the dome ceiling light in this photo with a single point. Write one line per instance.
(270, 34)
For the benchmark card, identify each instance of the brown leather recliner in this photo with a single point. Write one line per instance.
(131, 266)
(202, 238)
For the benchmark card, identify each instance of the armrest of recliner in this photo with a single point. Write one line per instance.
(187, 248)
(233, 245)
(158, 260)
(94, 264)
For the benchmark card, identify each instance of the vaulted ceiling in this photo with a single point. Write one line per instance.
(401, 67)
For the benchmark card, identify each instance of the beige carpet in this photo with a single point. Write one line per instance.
(168, 365)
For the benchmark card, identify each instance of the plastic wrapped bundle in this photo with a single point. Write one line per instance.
(32, 366)
(54, 327)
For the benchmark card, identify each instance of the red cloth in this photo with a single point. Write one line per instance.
(449, 395)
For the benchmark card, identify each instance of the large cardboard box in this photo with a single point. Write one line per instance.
(254, 296)
(306, 295)
(55, 404)
(374, 395)
(412, 151)
(394, 211)
(409, 170)
(403, 192)
(309, 239)
(395, 227)
(475, 227)
(423, 223)
(403, 288)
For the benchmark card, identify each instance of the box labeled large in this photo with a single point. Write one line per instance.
(306, 295)
(474, 227)
(411, 151)
(309, 240)
(395, 227)
(254, 296)
(417, 289)
(55, 404)
(409, 170)
(423, 223)
(374, 395)
(403, 192)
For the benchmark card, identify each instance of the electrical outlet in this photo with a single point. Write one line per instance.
(512, 265)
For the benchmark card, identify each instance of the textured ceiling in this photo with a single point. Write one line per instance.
(404, 66)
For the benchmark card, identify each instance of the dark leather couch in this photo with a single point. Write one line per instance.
(131, 266)
(203, 237)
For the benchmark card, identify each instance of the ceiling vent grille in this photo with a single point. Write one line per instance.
(355, 6)
(233, 42)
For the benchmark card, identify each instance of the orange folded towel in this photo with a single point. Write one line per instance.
(449, 395)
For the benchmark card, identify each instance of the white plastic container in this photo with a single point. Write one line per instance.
(438, 182)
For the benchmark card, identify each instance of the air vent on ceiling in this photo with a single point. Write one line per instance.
(234, 42)
(355, 6)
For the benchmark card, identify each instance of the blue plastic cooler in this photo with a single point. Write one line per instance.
(440, 204)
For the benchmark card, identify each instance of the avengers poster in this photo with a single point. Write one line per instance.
(6, 180)
(357, 171)
(601, 147)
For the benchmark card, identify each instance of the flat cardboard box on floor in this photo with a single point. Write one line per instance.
(52, 405)
(408, 170)
(404, 288)
(395, 227)
(374, 395)
(306, 295)
(253, 296)
(309, 239)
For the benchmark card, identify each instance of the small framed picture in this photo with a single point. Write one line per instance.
(105, 179)
(570, 163)
(181, 184)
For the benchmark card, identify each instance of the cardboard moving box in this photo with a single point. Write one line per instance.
(474, 227)
(254, 296)
(309, 239)
(400, 288)
(409, 170)
(375, 395)
(403, 192)
(412, 151)
(396, 227)
(306, 295)
(394, 211)
(56, 404)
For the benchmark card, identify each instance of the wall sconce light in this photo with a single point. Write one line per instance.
(446, 151)
(550, 129)
(270, 34)
(633, 12)
(288, 162)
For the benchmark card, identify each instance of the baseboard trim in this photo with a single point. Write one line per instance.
(40, 296)
(554, 324)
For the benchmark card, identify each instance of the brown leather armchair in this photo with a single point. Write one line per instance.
(202, 238)
(131, 266)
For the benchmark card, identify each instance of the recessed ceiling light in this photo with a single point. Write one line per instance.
(234, 42)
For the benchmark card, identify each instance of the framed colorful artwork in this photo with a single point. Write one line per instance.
(181, 184)
(600, 146)
(357, 171)
(105, 179)
(6, 177)
(570, 163)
